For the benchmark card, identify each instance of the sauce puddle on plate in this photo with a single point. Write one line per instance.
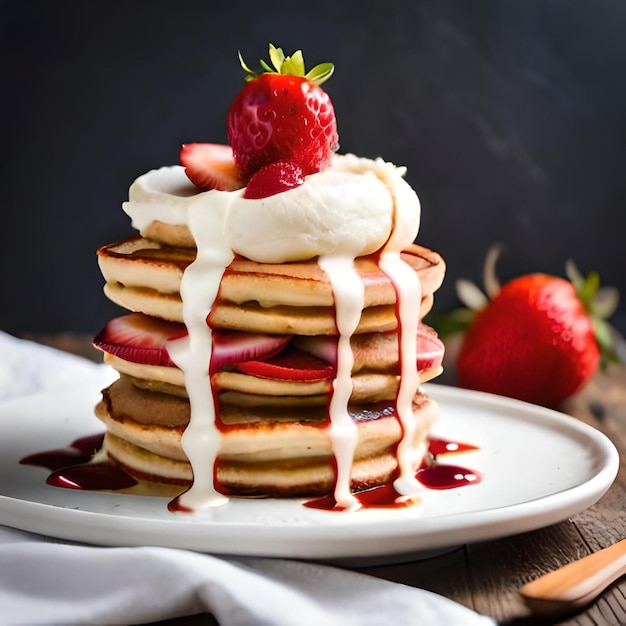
(432, 475)
(72, 468)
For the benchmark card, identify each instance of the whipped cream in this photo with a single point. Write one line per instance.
(163, 195)
(349, 208)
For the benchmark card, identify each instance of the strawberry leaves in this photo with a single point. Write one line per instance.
(472, 297)
(600, 303)
(293, 66)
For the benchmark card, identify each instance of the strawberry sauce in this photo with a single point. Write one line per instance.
(434, 476)
(78, 452)
(92, 477)
(72, 468)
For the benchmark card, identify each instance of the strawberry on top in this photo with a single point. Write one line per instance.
(283, 115)
(281, 119)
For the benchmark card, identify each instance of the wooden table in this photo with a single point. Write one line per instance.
(486, 576)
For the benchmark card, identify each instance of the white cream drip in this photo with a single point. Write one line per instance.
(348, 291)
(199, 287)
(409, 294)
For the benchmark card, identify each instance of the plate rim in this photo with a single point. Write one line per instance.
(60, 522)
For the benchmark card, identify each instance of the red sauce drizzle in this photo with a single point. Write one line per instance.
(437, 476)
(78, 452)
(383, 497)
(72, 469)
(92, 477)
(447, 476)
(442, 446)
(175, 506)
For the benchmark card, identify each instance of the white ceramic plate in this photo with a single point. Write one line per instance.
(539, 467)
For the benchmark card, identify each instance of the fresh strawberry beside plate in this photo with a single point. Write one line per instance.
(537, 338)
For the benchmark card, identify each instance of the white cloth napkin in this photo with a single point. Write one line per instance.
(45, 581)
(27, 367)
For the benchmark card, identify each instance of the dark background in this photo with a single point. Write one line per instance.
(511, 118)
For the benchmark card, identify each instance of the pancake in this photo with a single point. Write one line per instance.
(277, 480)
(252, 317)
(368, 387)
(139, 263)
(275, 440)
(309, 321)
(287, 298)
(173, 235)
(264, 451)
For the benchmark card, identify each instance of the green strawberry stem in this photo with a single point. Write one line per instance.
(600, 303)
(293, 66)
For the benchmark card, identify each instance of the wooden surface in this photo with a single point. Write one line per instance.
(486, 576)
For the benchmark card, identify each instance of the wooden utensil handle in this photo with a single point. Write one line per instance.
(579, 582)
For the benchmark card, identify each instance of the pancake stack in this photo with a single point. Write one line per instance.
(272, 373)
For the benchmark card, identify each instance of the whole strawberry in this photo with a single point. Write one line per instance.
(537, 339)
(283, 115)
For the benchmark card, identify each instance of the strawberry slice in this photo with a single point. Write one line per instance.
(232, 347)
(289, 364)
(430, 348)
(323, 347)
(274, 178)
(211, 166)
(139, 339)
